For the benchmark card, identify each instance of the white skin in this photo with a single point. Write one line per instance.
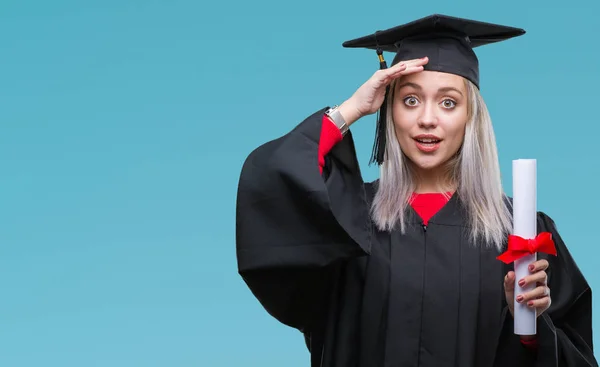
(428, 102)
(432, 103)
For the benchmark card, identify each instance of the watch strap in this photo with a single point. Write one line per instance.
(336, 117)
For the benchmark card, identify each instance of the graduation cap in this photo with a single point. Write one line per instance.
(447, 41)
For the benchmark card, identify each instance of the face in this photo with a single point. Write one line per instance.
(430, 115)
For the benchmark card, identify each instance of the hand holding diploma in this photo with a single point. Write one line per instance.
(537, 299)
(526, 289)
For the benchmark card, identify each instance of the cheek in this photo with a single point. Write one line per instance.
(456, 131)
(403, 123)
(403, 135)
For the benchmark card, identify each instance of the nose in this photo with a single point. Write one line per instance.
(428, 118)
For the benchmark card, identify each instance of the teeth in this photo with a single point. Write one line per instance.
(427, 140)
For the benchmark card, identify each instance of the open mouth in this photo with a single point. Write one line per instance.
(428, 141)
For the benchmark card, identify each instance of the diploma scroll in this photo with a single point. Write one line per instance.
(525, 226)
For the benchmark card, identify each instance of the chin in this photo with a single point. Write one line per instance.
(427, 167)
(426, 163)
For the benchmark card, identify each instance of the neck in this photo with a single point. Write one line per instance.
(433, 181)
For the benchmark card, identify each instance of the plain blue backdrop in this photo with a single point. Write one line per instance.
(125, 124)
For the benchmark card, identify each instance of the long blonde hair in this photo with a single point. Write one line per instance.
(475, 170)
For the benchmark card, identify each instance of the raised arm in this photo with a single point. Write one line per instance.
(294, 223)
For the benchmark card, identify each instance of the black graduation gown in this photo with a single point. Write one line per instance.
(307, 249)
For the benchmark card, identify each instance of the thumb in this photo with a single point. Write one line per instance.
(509, 281)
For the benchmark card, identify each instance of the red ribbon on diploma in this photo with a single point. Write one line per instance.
(519, 247)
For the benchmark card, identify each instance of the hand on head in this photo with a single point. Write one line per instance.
(368, 97)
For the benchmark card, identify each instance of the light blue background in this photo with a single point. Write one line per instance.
(125, 124)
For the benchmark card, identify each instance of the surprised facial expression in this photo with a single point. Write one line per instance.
(430, 114)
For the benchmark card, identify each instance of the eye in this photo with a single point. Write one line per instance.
(448, 103)
(411, 101)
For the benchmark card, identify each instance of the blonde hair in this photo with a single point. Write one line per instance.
(475, 170)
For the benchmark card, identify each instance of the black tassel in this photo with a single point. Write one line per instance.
(379, 146)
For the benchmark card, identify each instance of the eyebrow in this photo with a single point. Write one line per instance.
(418, 87)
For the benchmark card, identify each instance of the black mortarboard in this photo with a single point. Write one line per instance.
(447, 41)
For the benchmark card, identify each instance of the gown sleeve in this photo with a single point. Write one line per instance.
(564, 336)
(565, 330)
(294, 224)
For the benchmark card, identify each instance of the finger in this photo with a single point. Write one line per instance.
(414, 62)
(541, 303)
(539, 265)
(384, 75)
(547, 289)
(412, 70)
(395, 75)
(509, 281)
(392, 72)
(541, 284)
(407, 71)
(539, 277)
(400, 69)
(418, 62)
(538, 292)
(397, 67)
(404, 65)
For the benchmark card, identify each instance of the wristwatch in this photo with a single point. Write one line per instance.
(334, 114)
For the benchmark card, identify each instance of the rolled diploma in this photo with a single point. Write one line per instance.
(524, 225)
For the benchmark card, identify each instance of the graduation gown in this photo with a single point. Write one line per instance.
(310, 254)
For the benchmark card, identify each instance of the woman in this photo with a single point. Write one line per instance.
(404, 271)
